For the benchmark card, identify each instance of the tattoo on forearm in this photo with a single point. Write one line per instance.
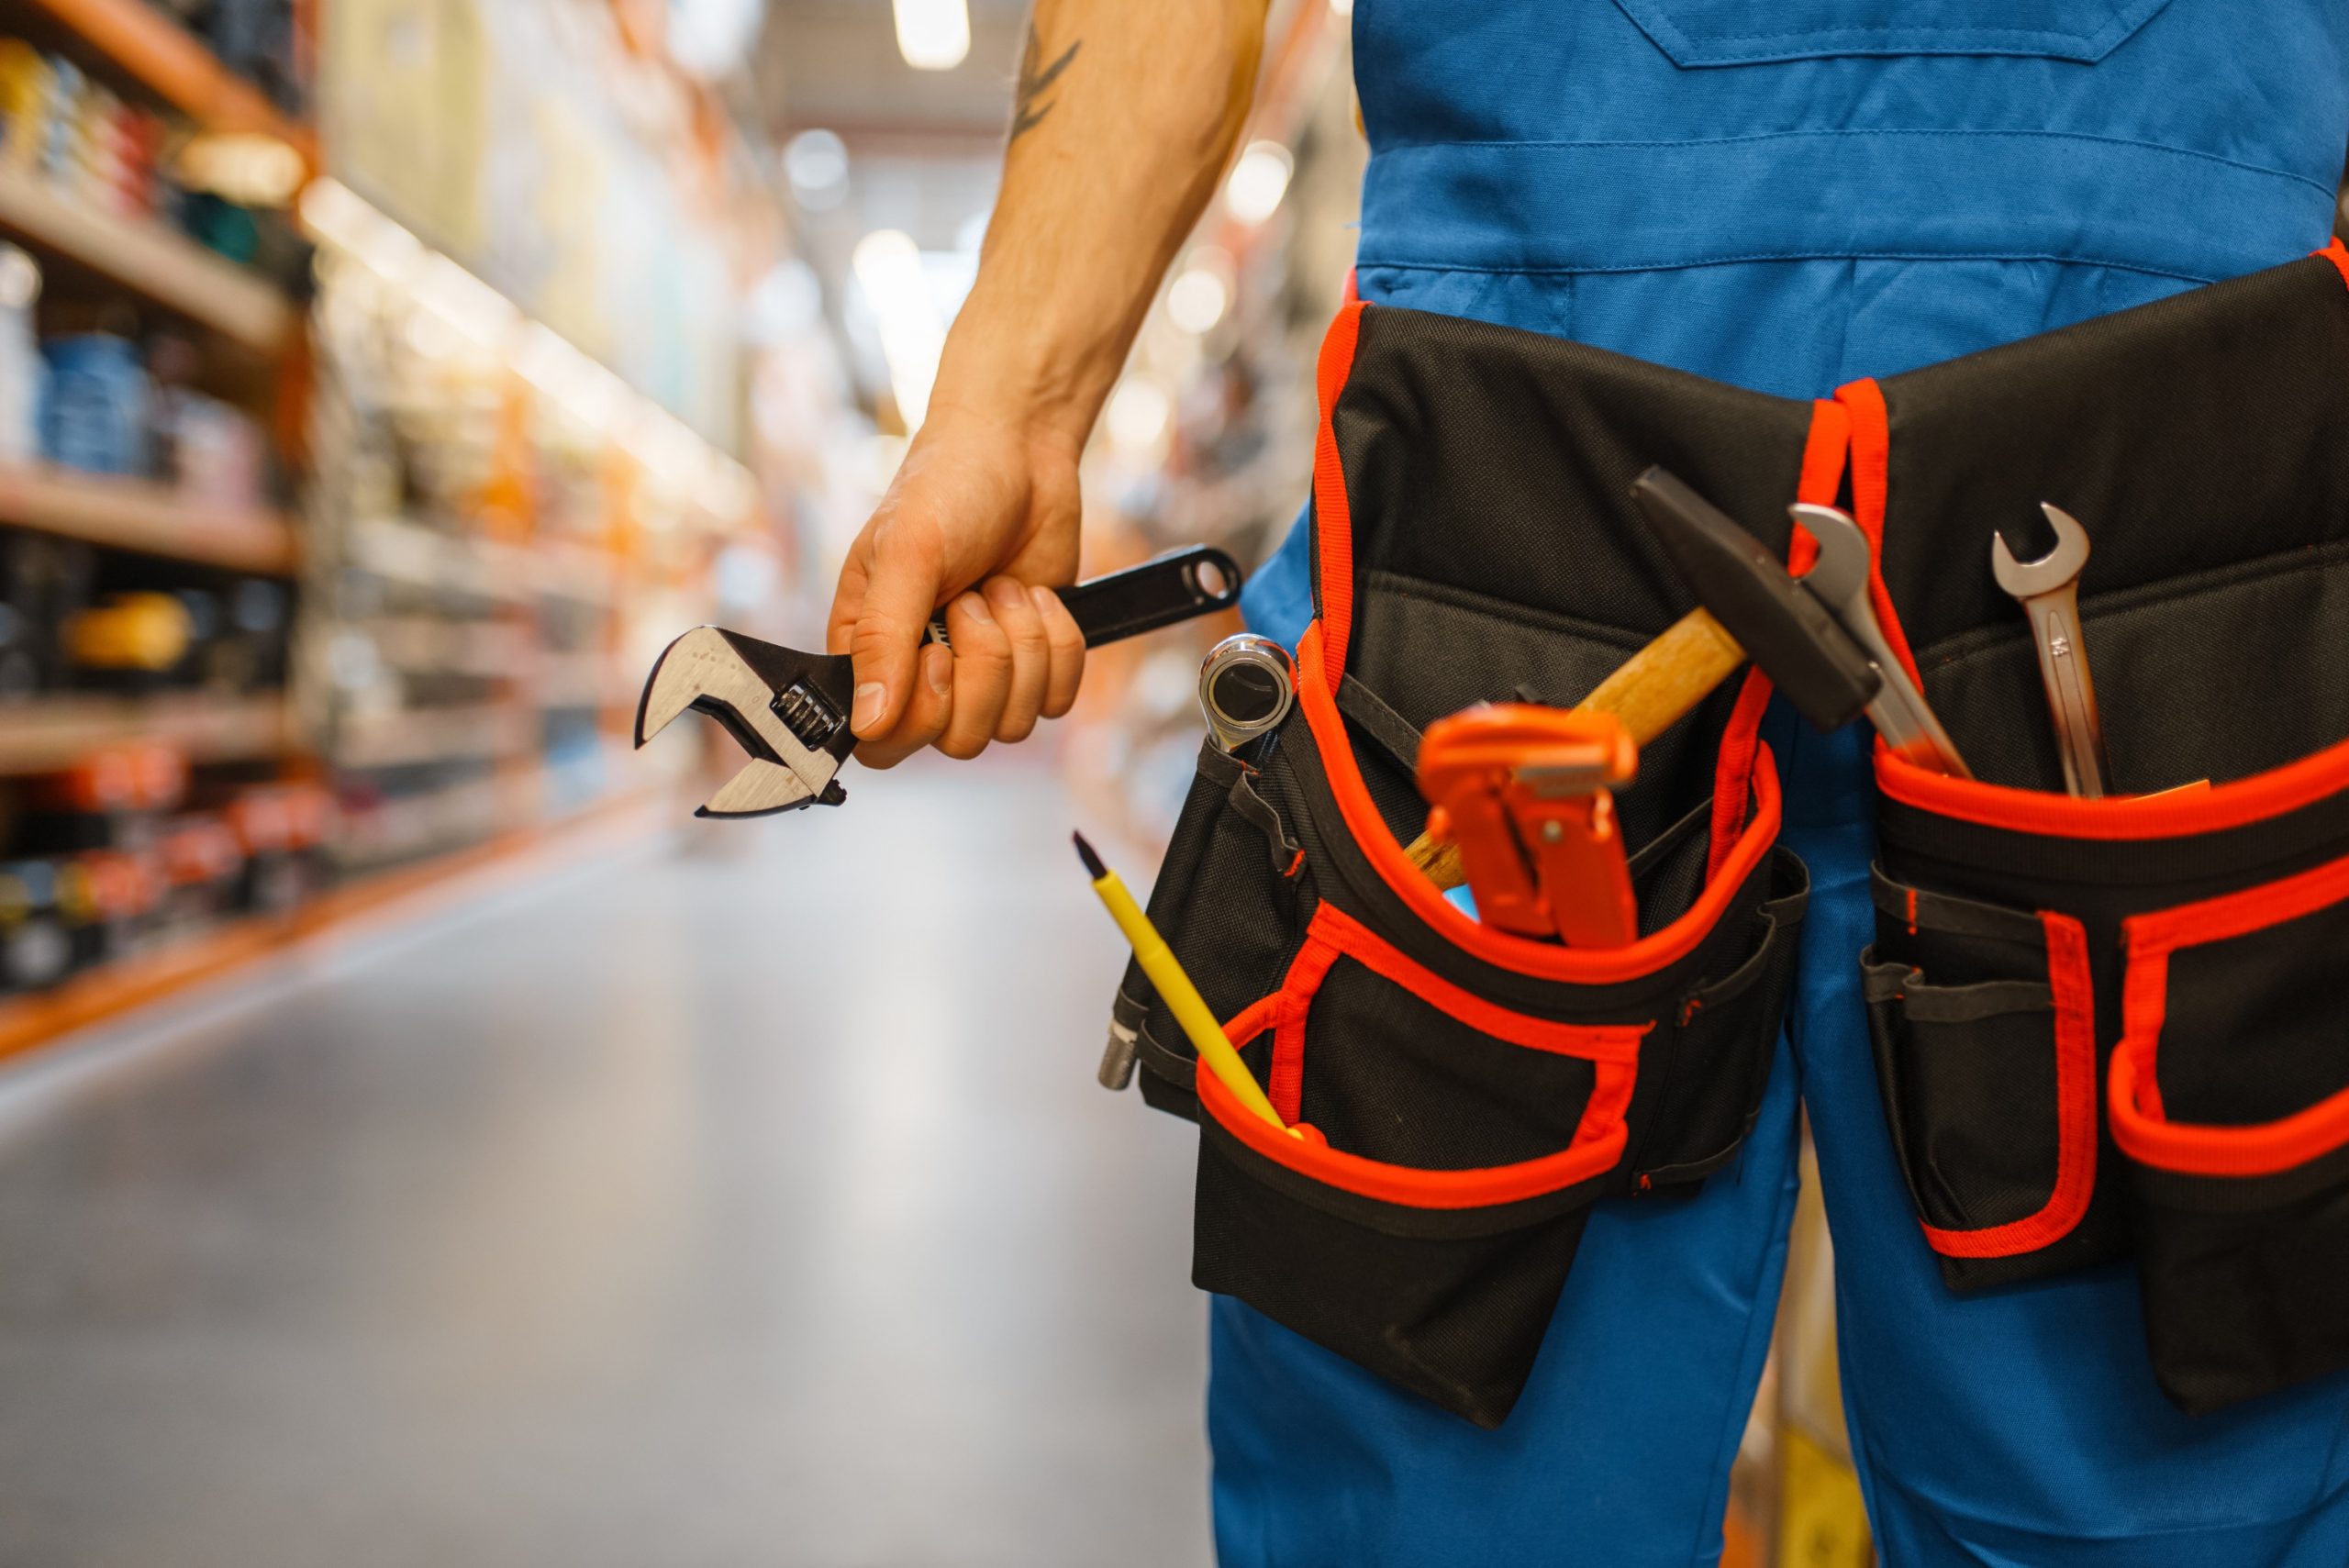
(1028, 105)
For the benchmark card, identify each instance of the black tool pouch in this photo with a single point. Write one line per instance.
(1464, 1093)
(2119, 1026)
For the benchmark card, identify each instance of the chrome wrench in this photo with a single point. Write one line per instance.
(2049, 590)
(1839, 581)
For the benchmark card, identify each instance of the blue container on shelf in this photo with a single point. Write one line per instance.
(94, 410)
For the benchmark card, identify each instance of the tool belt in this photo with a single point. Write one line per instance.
(2102, 1028)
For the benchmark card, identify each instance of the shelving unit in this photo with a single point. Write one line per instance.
(52, 732)
(163, 56)
(27, 1022)
(432, 735)
(151, 518)
(166, 267)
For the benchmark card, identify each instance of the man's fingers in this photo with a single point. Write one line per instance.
(1066, 645)
(901, 584)
(1031, 657)
(925, 713)
(981, 676)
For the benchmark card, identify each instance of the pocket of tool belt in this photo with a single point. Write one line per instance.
(1425, 1221)
(1463, 1116)
(1982, 1020)
(2229, 1099)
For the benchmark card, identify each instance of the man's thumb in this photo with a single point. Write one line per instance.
(898, 597)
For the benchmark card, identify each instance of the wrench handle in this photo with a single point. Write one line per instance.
(1179, 586)
(2071, 693)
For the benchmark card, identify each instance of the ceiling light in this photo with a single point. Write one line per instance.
(933, 35)
(1258, 182)
(816, 162)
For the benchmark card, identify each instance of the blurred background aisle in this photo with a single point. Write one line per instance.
(419, 1141)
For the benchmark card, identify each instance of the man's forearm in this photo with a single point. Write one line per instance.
(1123, 118)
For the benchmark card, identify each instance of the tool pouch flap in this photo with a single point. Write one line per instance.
(2193, 917)
(1466, 1094)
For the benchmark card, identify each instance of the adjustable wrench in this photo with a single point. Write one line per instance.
(1839, 580)
(2049, 589)
(789, 710)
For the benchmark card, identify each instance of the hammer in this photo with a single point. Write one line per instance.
(1748, 608)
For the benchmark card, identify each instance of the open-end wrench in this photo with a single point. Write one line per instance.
(2049, 589)
(1839, 580)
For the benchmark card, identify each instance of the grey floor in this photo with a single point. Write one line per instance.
(746, 1203)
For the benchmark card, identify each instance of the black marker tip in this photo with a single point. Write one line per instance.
(1092, 862)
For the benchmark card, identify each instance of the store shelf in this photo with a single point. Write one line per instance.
(168, 268)
(154, 520)
(27, 1022)
(432, 735)
(52, 732)
(149, 47)
(422, 645)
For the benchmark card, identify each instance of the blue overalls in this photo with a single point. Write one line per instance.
(1789, 194)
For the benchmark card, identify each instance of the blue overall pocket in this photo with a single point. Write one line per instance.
(1752, 32)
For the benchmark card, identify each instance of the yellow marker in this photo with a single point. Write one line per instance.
(1175, 987)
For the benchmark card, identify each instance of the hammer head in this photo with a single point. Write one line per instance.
(1776, 619)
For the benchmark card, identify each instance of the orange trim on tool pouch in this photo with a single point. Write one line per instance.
(1333, 534)
(2221, 807)
(1600, 1135)
(2141, 1123)
(1548, 961)
(2338, 255)
(2076, 1131)
(1871, 494)
(1823, 450)
(1333, 934)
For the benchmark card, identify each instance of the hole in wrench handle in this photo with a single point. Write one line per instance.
(1179, 586)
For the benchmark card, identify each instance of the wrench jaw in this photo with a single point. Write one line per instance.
(785, 707)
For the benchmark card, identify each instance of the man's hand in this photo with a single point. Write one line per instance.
(981, 519)
(1123, 119)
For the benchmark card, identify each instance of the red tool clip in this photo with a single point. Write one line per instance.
(1525, 792)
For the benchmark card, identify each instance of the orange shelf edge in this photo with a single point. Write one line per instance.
(27, 1023)
(177, 67)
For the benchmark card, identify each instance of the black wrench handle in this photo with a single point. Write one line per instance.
(1197, 580)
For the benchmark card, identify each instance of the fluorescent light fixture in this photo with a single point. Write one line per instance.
(816, 162)
(933, 35)
(1258, 182)
(1139, 412)
(1201, 291)
(888, 267)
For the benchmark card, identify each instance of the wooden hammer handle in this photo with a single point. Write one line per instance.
(1650, 692)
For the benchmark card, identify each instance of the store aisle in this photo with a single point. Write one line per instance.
(748, 1203)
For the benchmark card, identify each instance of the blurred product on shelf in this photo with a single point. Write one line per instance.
(95, 413)
(23, 369)
(36, 949)
(83, 141)
(130, 848)
(44, 582)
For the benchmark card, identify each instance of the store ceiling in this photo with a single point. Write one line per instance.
(834, 64)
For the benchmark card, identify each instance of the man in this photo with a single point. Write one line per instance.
(1787, 195)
